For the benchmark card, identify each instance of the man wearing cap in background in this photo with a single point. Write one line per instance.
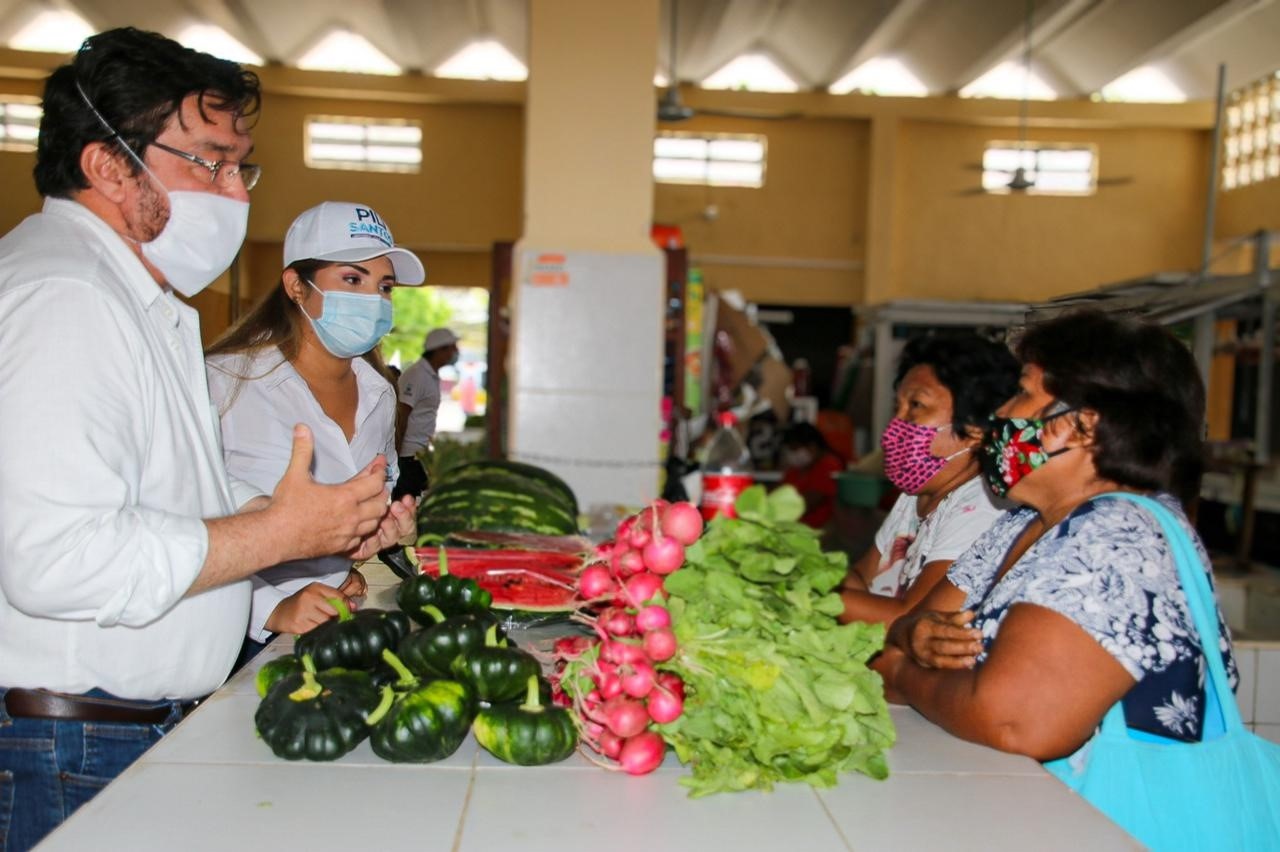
(124, 546)
(419, 404)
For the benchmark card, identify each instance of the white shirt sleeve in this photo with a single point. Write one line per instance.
(969, 514)
(76, 540)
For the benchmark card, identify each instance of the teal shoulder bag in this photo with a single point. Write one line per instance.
(1220, 794)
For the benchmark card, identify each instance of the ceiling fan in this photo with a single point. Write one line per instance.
(671, 106)
(1021, 179)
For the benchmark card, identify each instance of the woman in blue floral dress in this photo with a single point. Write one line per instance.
(1071, 602)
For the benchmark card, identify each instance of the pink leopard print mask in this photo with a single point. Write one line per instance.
(908, 464)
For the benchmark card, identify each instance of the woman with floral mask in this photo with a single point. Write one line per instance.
(1073, 602)
(307, 353)
(946, 388)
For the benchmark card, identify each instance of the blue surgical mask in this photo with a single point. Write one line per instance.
(350, 324)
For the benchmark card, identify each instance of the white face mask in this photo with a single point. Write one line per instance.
(202, 235)
(199, 241)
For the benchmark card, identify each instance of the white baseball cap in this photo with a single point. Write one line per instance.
(438, 337)
(342, 232)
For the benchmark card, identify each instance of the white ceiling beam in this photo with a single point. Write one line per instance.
(1047, 22)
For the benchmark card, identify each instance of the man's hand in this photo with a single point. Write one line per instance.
(311, 520)
(304, 609)
(399, 521)
(939, 640)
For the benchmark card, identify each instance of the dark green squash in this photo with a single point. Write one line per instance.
(447, 594)
(495, 672)
(274, 670)
(528, 734)
(353, 640)
(316, 715)
(432, 650)
(420, 721)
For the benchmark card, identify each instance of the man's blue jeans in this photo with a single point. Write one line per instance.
(49, 768)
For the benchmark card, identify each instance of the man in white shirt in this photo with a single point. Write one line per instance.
(124, 547)
(419, 404)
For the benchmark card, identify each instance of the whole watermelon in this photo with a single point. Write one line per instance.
(496, 496)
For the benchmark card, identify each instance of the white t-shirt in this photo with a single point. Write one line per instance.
(258, 417)
(908, 542)
(110, 463)
(420, 390)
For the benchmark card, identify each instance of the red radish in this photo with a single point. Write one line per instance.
(642, 753)
(624, 716)
(572, 647)
(594, 729)
(652, 617)
(595, 582)
(660, 644)
(664, 706)
(592, 698)
(617, 622)
(637, 679)
(641, 587)
(561, 699)
(683, 522)
(663, 555)
(621, 653)
(603, 551)
(610, 686)
(672, 683)
(624, 528)
(610, 744)
(629, 563)
(638, 537)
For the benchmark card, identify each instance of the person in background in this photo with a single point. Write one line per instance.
(419, 404)
(809, 465)
(947, 387)
(1070, 603)
(393, 373)
(307, 353)
(125, 549)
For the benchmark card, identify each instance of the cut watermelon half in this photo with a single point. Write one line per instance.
(518, 580)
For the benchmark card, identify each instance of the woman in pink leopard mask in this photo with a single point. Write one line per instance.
(947, 387)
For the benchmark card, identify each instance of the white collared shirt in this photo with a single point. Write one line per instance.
(258, 415)
(420, 390)
(109, 461)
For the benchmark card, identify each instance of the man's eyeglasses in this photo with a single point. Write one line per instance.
(223, 172)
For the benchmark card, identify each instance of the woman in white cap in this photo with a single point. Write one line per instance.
(307, 353)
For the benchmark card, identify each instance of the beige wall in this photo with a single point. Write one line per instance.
(1023, 247)
(801, 238)
(1250, 208)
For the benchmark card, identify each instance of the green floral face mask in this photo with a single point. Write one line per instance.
(1013, 447)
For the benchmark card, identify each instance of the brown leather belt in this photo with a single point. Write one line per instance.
(43, 704)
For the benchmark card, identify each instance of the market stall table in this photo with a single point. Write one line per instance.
(212, 784)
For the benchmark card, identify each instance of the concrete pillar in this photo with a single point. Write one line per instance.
(588, 286)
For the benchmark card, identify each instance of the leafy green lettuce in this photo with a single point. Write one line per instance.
(777, 690)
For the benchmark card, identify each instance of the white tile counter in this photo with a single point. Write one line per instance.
(213, 785)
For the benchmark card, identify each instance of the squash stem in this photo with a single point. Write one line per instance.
(309, 690)
(444, 562)
(344, 611)
(491, 636)
(434, 611)
(532, 704)
(407, 677)
(375, 715)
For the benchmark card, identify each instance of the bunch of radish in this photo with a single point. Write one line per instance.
(613, 681)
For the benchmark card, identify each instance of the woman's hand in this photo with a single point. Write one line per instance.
(304, 609)
(354, 586)
(938, 640)
(399, 522)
